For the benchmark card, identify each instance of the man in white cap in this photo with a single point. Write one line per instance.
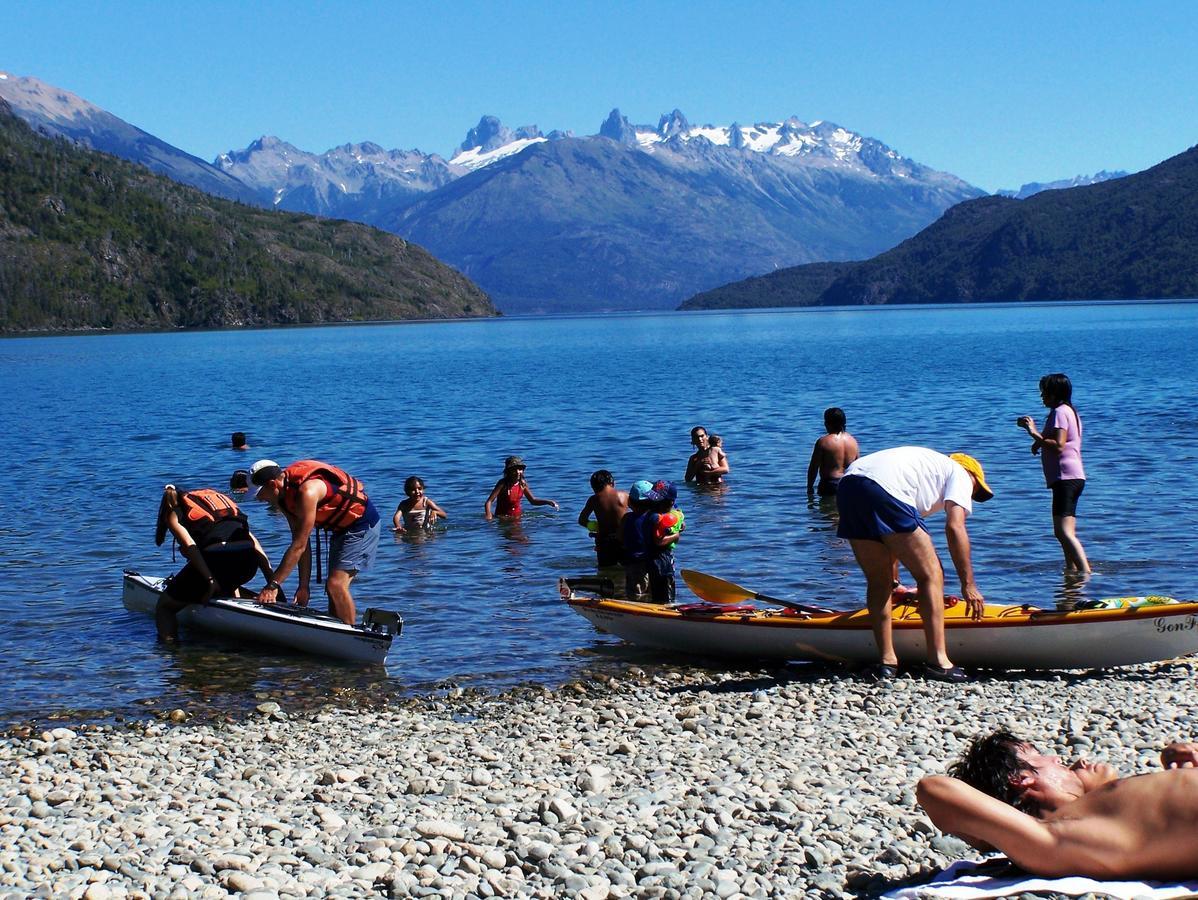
(315, 494)
(883, 499)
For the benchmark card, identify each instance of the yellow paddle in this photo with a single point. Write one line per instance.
(725, 593)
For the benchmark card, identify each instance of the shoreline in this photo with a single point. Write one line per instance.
(673, 784)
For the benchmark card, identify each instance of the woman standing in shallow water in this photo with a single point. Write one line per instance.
(700, 466)
(1061, 457)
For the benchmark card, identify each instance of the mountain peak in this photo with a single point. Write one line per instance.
(490, 140)
(618, 128)
(491, 134)
(672, 124)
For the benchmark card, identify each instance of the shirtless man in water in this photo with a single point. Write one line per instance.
(609, 506)
(1057, 820)
(831, 454)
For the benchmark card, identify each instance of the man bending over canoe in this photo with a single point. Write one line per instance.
(883, 499)
(315, 494)
(1054, 820)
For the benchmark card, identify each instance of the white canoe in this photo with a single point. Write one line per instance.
(1006, 637)
(296, 627)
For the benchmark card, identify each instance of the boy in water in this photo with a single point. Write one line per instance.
(608, 506)
(831, 454)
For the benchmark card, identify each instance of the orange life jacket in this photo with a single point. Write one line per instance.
(202, 509)
(344, 500)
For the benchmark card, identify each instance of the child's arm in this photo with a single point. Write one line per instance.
(587, 509)
(432, 504)
(397, 519)
(534, 501)
(491, 499)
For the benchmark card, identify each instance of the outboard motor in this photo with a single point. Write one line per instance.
(384, 620)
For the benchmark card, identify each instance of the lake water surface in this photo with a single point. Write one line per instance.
(94, 426)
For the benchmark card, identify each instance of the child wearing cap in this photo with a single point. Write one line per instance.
(660, 540)
(510, 489)
(636, 544)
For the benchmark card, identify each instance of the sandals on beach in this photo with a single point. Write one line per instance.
(953, 674)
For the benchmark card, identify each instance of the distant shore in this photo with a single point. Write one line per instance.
(733, 785)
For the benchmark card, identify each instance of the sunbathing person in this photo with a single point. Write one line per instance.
(1057, 820)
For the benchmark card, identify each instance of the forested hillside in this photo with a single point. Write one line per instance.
(89, 241)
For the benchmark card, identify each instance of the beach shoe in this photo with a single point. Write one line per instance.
(954, 674)
(881, 672)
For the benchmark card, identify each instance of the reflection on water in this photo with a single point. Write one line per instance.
(95, 426)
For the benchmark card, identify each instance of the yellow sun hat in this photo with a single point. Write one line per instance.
(974, 468)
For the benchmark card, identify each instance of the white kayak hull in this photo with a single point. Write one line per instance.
(295, 627)
(1019, 639)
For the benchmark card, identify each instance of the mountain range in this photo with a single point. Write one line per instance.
(1035, 187)
(1125, 238)
(634, 217)
(91, 241)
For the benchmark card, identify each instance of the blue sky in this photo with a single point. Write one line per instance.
(997, 93)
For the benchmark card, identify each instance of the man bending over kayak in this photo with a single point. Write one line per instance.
(1057, 820)
(315, 494)
(883, 499)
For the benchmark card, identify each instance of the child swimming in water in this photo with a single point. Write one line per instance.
(416, 512)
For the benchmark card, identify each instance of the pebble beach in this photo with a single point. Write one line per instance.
(691, 783)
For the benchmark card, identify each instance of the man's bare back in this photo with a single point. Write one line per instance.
(830, 456)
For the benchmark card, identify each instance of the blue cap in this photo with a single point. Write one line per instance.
(641, 490)
(665, 490)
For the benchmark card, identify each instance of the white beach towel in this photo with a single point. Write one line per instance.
(966, 880)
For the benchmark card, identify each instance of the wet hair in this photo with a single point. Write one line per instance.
(993, 766)
(714, 440)
(601, 478)
(170, 499)
(240, 480)
(238, 438)
(410, 483)
(696, 430)
(834, 420)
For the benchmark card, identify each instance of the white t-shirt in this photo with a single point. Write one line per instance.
(917, 476)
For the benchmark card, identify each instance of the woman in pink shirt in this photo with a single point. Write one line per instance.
(1061, 442)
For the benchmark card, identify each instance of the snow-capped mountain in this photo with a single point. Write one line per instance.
(490, 141)
(353, 181)
(816, 144)
(638, 216)
(60, 113)
(1035, 187)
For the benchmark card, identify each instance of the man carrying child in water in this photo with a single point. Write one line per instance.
(1083, 819)
(608, 506)
(831, 454)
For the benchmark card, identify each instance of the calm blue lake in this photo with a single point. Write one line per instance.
(94, 426)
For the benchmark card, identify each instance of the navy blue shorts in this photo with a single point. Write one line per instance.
(868, 513)
(1064, 496)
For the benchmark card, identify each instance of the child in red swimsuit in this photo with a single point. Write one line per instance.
(510, 489)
